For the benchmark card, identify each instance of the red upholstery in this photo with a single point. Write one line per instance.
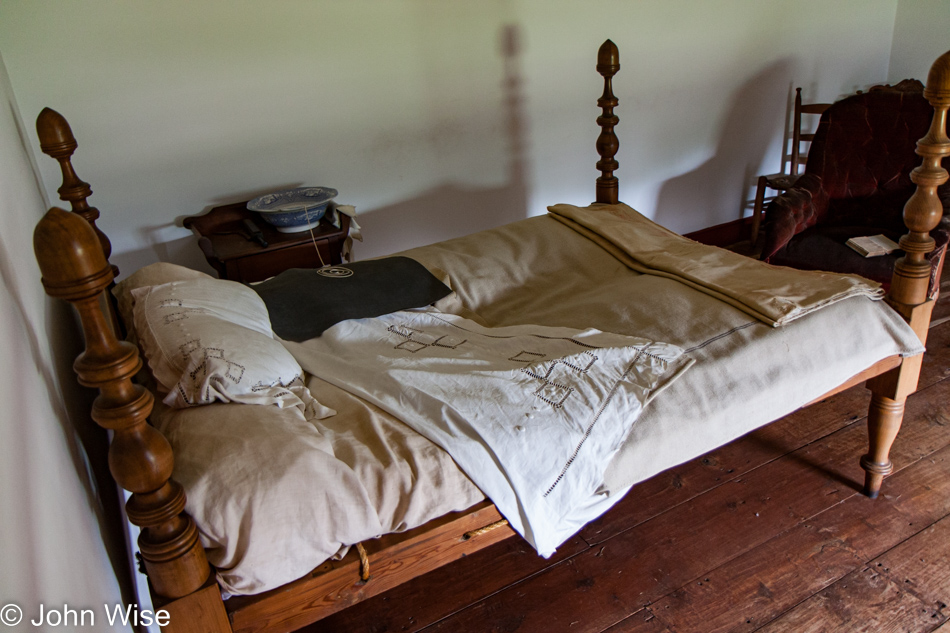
(856, 182)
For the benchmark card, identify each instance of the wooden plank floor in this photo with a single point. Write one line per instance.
(768, 533)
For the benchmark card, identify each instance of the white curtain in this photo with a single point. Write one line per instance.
(51, 546)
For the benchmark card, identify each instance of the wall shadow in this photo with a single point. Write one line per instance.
(221, 201)
(445, 211)
(451, 210)
(183, 251)
(85, 442)
(91, 457)
(717, 191)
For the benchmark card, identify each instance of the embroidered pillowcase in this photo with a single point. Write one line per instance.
(152, 275)
(210, 340)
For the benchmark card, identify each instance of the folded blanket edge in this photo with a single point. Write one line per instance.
(775, 311)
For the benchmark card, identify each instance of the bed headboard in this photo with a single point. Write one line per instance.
(608, 63)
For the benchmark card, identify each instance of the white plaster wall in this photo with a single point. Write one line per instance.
(921, 35)
(51, 512)
(434, 118)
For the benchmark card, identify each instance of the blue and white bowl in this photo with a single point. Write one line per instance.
(294, 210)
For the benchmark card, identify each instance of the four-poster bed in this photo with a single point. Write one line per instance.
(73, 258)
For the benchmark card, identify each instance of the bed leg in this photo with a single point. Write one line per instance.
(884, 421)
(199, 612)
(889, 392)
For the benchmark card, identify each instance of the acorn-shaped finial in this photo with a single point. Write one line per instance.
(608, 59)
(56, 137)
(70, 256)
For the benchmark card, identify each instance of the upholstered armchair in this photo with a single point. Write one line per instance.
(856, 182)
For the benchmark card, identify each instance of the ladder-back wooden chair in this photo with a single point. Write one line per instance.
(795, 160)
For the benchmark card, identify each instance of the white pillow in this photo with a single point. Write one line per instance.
(210, 340)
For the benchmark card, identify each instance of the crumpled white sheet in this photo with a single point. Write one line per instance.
(532, 414)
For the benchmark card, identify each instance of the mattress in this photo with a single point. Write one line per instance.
(274, 495)
(746, 373)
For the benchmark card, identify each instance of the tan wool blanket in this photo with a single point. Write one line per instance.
(772, 294)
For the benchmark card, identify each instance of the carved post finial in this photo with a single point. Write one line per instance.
(74, 268)
(608, 63)
(57, 140)
(924, 209)
(938, 80)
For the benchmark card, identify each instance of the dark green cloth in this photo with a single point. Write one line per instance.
(303, 302)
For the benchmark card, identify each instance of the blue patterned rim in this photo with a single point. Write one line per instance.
(297, 199)
(294, 209)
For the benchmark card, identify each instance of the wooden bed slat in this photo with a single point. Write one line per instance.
(876, 369)
(394, 559)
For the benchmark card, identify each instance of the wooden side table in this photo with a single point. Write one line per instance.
(230, 249)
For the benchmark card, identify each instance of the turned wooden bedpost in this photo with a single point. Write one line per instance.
(608, 63)
(74, 268)
(57, 140)
(909, 285)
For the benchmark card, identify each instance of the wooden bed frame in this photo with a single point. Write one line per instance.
(73, 257)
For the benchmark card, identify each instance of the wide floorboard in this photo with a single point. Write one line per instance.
(768, 533)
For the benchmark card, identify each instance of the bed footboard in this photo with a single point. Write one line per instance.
(908, 292)
(74, 268)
